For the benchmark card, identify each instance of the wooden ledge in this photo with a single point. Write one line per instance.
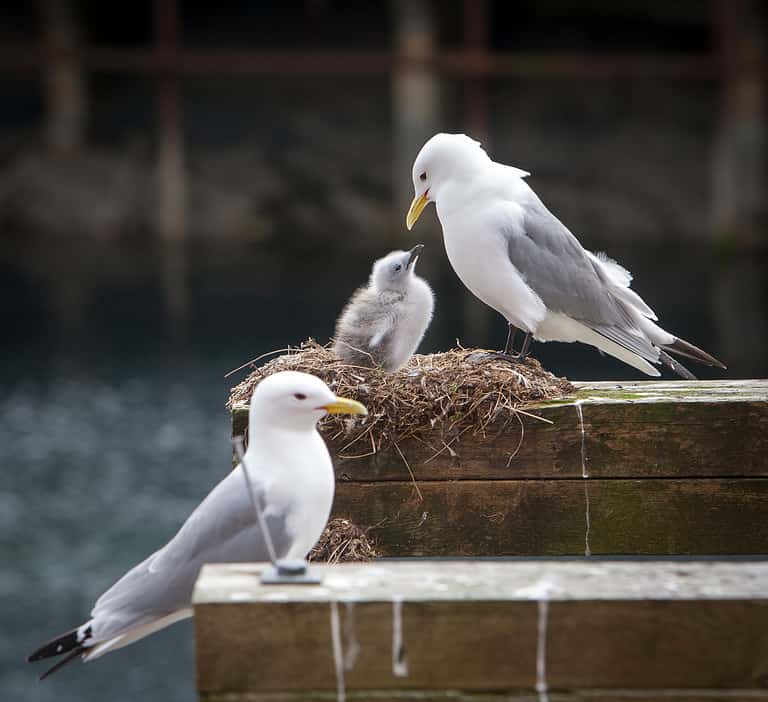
(617, 392)
(651, 468)
(668, 429)
(424, 629)
(487, 580)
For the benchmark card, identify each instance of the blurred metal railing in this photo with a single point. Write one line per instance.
(415, 63)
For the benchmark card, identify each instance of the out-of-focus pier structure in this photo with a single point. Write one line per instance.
(416, 63)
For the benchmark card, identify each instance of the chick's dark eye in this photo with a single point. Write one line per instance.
(398, 268)
(423, 176)
(300, 396)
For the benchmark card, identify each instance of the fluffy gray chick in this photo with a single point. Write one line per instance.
(384, 321)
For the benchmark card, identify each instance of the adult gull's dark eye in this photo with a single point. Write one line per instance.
(398, 267)
(423, 176)
(300, 396)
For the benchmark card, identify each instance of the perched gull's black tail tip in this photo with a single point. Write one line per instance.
(55, 647)
(69, 643)
(683, 348)
(74, 653)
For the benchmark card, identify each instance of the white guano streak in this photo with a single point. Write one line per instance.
(541, 652)
(399, 661)
(338, 654)
(585, 475)
(350, 634)
(580, 414)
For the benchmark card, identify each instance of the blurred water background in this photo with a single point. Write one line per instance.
(116, 332)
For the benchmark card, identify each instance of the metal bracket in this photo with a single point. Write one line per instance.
(285, 572)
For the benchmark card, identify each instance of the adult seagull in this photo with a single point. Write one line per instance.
(291, 473)
(521, 260)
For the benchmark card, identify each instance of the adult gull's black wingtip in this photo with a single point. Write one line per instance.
(681, 347)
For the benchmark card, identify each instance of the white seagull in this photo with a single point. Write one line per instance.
(291, 473)
(521, 260)
(384, 321)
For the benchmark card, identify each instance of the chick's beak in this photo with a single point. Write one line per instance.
(417, 207)
(415, 252)
(343, 405)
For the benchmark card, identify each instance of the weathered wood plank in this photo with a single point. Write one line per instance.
(491, 581)
(648, 429)
(673, 468)
(475, 627)
(505, 696)
(561, 517)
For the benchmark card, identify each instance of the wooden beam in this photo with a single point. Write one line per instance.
(561, 517)
(65, 92)
(695, 629)
(452, 696)
(171, 168)
(644, 429)
(741, 143)
(646, 468)
(415, 90)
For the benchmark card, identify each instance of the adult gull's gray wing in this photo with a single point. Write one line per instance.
(558, 269)
(223, 528)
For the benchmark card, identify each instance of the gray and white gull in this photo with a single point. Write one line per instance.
(512, 253)
(383, 323)
(291, 473)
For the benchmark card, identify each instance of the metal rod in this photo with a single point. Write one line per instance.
(238, 442)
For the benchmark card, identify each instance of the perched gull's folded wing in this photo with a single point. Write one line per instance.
(223, 528)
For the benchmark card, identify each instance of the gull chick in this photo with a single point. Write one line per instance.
(521, 260)
(384, 322)
(291, 473)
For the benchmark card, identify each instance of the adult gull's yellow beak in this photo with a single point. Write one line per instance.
(417, 207)
(343, 405)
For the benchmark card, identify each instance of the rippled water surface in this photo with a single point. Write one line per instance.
(97, 473)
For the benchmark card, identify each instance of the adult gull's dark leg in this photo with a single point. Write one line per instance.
(508, 354)
(511, 334)
(525, 349)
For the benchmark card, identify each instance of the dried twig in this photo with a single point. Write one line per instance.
(413, 478)
(343, 541)
(257, 359)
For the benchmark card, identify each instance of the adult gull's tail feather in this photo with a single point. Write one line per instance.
(681, 347)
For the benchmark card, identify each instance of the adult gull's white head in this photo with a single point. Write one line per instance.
(293, 400)
(444, 158)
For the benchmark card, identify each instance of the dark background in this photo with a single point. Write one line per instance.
(185, 186)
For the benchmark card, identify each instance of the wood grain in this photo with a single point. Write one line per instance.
(503, 696)
(674, 468)
(647, 429)
(634, 635)
(549, 517)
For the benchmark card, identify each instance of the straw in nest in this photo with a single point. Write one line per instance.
(443, 390)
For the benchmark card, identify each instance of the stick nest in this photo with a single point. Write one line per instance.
(342, 542)
(434, 392)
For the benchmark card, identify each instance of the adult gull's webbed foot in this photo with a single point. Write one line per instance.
(508, 354)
